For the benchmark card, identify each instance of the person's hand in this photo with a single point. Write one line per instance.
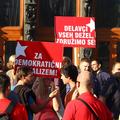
(54, 93)
(75, 94)
(52, 84)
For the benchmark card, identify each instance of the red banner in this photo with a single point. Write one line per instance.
(44, 57)
(75, 31)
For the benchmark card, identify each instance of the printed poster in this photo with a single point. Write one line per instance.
(75, 31)
(44, 57)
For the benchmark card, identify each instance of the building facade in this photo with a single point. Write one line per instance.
(34, 20)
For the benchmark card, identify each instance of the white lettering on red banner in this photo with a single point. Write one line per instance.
(75, 31)
(37, 63)
(44, 57)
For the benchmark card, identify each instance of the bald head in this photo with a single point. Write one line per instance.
(84, 78)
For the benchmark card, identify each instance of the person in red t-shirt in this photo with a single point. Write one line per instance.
(19, 111)
(77, 110)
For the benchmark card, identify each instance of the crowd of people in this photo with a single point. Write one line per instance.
(84, 93)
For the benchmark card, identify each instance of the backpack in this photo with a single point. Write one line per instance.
(7, 113)
(23, 93)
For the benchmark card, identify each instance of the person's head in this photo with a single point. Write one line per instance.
(66, 60)
(69, 73)
(42, 87)
(11, 62)
(116, 67)
(84, 64)
(25, 74)
(84, 80)
(96, 65)
(4, 84)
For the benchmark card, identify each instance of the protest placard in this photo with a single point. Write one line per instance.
(44, 57)
(75, 31)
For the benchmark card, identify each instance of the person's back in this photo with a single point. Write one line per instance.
(112, 91)
(78, 110)
(26, 97)
(112, 97)
(42, 88)
(18, 112)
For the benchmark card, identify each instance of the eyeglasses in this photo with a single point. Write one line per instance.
(77, 84)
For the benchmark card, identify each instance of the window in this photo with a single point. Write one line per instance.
(9, 12)
(51, 8)
(103, 54)
(107, 13)
(118, 51)
(9, 49)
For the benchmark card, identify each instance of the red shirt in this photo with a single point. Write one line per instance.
(76, 110)
(19, 112)
(47, 113)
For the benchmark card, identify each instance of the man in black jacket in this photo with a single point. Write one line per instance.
(112, 91)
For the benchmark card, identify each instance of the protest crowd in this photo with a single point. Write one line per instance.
(84, 93)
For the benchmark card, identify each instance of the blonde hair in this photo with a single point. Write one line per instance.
(11, 62)
(12, 58)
